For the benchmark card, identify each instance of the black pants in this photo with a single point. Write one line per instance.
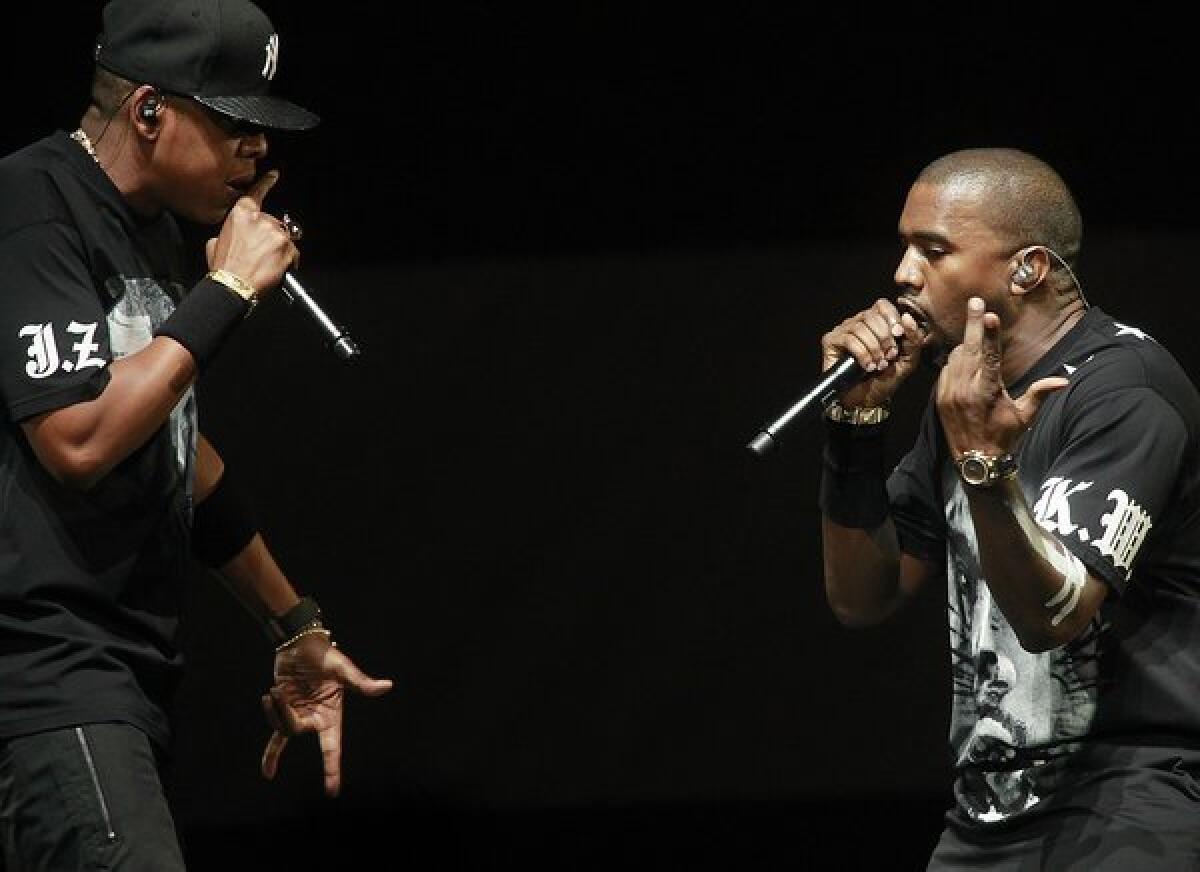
(1128, 818)
(84, 798)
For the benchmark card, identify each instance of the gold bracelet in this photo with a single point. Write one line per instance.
(857, 415)
(307, 631)
(235, 283)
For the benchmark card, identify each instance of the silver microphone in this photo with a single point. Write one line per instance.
(336, 336)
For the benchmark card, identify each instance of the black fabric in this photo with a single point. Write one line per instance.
(90, 583)
(1139, 809)
(83, 798)
(299, 616)
(224, 52)
(224, 523)
(1110, 468)
(852, 480)
(204, 319)
(914, 492)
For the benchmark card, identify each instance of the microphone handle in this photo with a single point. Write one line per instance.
(843, 375)
(336, 337)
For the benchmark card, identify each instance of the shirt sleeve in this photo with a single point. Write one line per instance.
(53, 333)
(913, 494)
(1112, 479)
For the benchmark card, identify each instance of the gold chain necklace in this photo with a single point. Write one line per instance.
(84, 140)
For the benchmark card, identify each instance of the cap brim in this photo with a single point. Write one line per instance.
(263, 110)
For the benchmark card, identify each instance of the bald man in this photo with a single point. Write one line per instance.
(1054, 484)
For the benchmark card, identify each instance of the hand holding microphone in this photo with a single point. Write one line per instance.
(866, 359)
(251, 246)
(884, 342)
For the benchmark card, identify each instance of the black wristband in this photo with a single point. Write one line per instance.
(303, 614)
(853, 483)
(223, 524)
(204, 319)
(854, 447)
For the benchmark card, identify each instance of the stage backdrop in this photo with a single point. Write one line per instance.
(588, 251)
(532, 506)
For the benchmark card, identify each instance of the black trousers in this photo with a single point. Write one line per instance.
(1128, 818)
(84, 798)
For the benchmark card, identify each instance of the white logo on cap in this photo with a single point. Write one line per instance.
(272, 48)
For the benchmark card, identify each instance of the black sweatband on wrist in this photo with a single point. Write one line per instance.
(300, 617)
(853, 481)
(223, 524)
(204, 318)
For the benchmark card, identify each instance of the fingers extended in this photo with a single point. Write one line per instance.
(330, 741)
(347, 672)
(990, 344)
(272, 716)
(258, 191)
(973, 331)
(1037, 393)
(374, 686)
(271, 754)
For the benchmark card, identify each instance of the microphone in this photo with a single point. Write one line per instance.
(842, 376)
(336, 338)
(835, 381)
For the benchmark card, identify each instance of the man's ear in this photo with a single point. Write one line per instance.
(1030, 268)
(148, 106)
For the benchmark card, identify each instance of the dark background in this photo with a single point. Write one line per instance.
(588, 252)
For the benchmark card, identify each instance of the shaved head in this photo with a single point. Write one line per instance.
(1022, 198)
(110, 91)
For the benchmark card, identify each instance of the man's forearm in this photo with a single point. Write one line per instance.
(1041, 587)
(249, 571)
(862, 572)
(867, 576)
(258, 582)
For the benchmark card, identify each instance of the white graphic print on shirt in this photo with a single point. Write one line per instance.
(1012, 708)
(142, 306)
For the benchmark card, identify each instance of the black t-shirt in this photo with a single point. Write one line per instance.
(1109, 468)
(89, 582)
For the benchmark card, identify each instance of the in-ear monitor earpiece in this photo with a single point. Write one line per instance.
(150, 107)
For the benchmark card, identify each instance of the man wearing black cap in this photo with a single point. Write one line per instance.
(106, 486)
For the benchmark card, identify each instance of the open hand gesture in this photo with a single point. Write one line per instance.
(976, 411)
(306, 697)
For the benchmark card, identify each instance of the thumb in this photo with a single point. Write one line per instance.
(355, 678)
(1031, 401)
(373, 686)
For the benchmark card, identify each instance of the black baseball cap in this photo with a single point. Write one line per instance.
(222, 53)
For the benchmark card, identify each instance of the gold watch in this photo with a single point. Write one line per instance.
(984, 470)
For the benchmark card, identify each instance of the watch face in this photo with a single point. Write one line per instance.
(973, 470)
